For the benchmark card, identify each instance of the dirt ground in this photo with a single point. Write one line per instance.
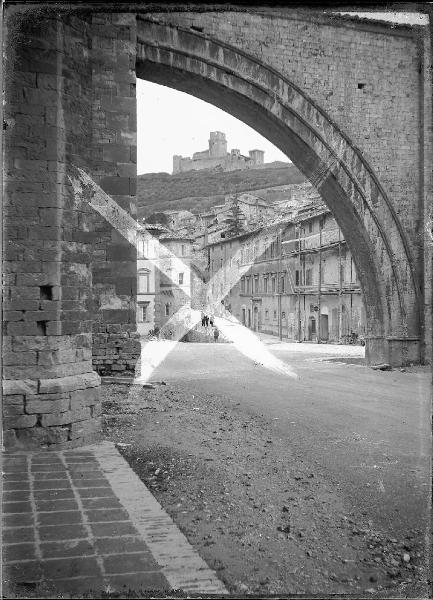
(259, 515)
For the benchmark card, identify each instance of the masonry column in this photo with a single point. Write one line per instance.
(115, 342)
(50, 392)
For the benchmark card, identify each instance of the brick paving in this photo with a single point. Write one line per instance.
(81, 521)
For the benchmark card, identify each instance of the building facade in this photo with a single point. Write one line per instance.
(301, 283)
(148, 276)
(216, 156)
(167, 278)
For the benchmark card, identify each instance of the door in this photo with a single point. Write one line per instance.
(249, 318)
(324, 330)
(256, 319)
(311, 329)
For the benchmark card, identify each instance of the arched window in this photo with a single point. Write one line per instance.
(143, 281)
(167, 310)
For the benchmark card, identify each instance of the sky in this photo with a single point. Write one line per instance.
(172, 122)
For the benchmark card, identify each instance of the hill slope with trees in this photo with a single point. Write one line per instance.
(197, 191)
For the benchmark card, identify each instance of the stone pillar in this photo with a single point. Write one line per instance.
(115, 343)
(50, 392)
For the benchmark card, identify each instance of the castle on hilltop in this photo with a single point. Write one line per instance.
(216, 156)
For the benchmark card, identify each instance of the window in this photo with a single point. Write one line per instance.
(221, 262)
(248, 285)
(143, 312)
(275, 315)
(141, 248)
(143, 281)
(167, 310)
(310, 226)
(282, 285)
(273, 285)
(283, 315)
(266, 314)
(311, 307)
(183, 250)
(297, 278)
(308, 277)
(180, 278)
(243, 285)
(265, 284)
(256, 284)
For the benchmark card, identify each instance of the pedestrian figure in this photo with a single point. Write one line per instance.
(203, 319)
(206, 320)
(216, 334)
(211, 321)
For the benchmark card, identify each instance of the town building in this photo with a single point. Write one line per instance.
(216, 156)
(147, 275)
(167, 277)
(301, 283)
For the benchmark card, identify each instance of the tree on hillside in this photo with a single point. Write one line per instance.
(235, 220)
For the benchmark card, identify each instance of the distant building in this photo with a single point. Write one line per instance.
(302, 282)
(216, 156)
(147, 276)
(164, 285)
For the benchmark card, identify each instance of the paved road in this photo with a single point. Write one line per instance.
(367, 431)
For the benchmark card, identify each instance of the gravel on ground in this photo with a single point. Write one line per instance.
(261, 516)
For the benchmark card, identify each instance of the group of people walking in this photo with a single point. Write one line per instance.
(207, 321)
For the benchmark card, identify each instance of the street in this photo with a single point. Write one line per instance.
(330, 470)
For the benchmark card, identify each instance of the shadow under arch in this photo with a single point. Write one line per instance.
(263, 99)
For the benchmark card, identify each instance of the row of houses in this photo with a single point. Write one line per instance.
(292, 276)
(297, 279)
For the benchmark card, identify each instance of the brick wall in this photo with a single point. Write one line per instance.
(70, 101)
(50, 393)
(115, 345)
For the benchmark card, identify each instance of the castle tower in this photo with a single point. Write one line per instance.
(257, 156)
(217, 144)
(177, 160)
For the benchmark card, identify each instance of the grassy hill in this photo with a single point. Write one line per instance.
(197, 191)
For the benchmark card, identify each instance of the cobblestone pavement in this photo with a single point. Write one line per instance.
(80, 521)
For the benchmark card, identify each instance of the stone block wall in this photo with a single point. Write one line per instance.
(50, 392)
(115, 342)
(68, 102)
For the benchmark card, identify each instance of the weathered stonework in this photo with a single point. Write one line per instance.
(348, 101)
(57, 252)
(115, 344)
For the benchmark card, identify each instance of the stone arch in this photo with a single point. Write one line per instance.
(266, 100)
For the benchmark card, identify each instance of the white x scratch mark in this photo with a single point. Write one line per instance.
(186, 318)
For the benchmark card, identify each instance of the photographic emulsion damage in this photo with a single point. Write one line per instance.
(216, 360)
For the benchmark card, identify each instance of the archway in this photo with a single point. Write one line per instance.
(268, 102)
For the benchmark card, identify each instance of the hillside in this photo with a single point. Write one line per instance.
(197, 191)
